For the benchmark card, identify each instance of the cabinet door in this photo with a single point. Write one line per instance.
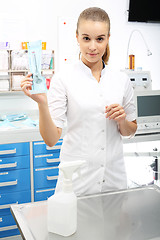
(13, 163)
(43, 194)
(14, 149)
(45, 177)
(18, 180)
(13, 231)
(41, 147)
(12, 198)
(8, 226)
(47, 160)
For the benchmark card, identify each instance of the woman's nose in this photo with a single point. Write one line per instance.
(92, 46)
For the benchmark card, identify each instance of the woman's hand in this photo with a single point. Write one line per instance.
(115, 112)
(26, 85)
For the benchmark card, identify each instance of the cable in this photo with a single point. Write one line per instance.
(149, 53)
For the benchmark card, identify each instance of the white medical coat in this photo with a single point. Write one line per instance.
(76, 96)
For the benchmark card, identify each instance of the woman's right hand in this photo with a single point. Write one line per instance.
(26, 85)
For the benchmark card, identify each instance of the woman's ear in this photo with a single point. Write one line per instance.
(77, 36)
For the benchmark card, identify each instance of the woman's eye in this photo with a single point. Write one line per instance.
(86, 38)
(100, 39)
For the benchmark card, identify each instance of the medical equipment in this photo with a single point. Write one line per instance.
(148, 111)
(4, 65)
(4, 83)
(4, 45)
(149, 53)
(141, 80)
(16, 82)
(13, 117)
(34, 54)
(19, 60)
(131, 61)
(6, 125)
(62, 206)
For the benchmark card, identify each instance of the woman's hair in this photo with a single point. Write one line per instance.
(96, 14)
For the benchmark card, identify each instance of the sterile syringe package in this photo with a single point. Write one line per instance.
(35, 54)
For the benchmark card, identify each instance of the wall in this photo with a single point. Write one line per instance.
(120, 32)
(38, 19)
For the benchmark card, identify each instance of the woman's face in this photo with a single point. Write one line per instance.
(93, 38)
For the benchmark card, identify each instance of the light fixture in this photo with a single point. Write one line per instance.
(149, 53)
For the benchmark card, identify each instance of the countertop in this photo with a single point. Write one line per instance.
(22, 132)
(26, 133)
(124, 215)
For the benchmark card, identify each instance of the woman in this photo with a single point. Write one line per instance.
(98, 106)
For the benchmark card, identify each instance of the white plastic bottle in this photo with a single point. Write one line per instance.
(62, 206)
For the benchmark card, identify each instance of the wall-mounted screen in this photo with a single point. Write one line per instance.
(144, 11)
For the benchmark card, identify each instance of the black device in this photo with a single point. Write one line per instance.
(144, 11)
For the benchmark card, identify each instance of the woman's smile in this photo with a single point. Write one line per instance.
(92, 54)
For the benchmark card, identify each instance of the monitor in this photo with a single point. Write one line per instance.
(148, 110)
(144, 11)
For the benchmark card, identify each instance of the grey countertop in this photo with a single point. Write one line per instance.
(21, 133)
(132, 214)
(27, 133)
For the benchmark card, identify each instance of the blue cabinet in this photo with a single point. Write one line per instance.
(16, 174)
(15, 183)
(45, 164)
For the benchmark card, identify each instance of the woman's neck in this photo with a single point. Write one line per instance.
(95, 67)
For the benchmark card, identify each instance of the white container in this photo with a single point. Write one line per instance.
(62, 206)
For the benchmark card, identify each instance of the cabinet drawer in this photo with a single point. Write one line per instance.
(14, 149)
(14, 162)
(45, 177)
(43, 194)
(14, 231)
(15, 180)
(6, 221)
(45, 160)
(11, 198)
(41, 147)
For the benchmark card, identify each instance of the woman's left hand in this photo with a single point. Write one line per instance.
(115, 112)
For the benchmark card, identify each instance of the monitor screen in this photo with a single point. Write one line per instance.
(148, 105)
(144, 11)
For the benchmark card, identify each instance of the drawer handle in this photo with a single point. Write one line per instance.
(5, 184)
(12, 151)
(6, 206)
(9, 165)
(49, 178)
(52, 160)
(8, 228)
(54, 147)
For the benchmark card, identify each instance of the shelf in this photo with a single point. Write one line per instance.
(21, 71)
(13, 76)
(11, 93)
